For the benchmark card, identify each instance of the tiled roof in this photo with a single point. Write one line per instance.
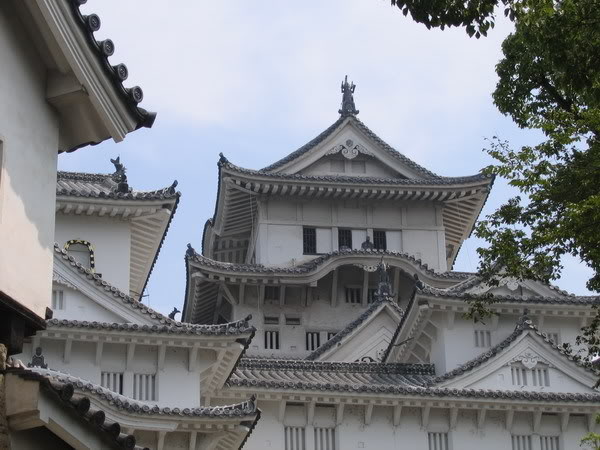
(372, 378)
(316, 262)
(117, 73)
(163, 323)
(362, 127)
(244, 409)
(433, 181)
(62, 390)
(354, 324)
(103, 186)
(523, 325)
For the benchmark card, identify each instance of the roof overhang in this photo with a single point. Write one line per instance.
(149, 221)
(85, 89)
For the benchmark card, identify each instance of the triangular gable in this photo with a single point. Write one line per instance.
(509, 286)
(348, 139)
(365, 338)
(94, 299)
(526, 360)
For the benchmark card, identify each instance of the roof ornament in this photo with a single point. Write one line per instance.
(37, 360)
(222, 159)
(348, 107)
(190, 251)
(384, 287)
(171, 188)
(173, 313)
(120, 177)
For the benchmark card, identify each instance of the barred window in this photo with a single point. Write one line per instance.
(309, 236)
(483, 338)
(272, 292)
(272, 340)
(271, 320)
(521, 442)
(292, 320)
(379, 240)
(438, 441)
(313, 340)
(144, 387)
(521, 376)
(112, 381)
(549, 443)
(295, 438)
(371, 295)
(353, 295)
(345, 238)
(324, 438)
(58, 299)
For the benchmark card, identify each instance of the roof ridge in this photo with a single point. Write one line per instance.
(524, 324)
(98, 281)
(245, 408)
(355, 324)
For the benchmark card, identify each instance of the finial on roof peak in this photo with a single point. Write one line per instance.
(222, 159)
(190, 250)
(119, 176)
(348, 107)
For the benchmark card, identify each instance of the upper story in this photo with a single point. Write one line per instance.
(59, 92)
(112, 229)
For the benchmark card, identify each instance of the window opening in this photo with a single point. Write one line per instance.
(58, 299)
(309, 236)
(379, 240)
(112, 381)
(313, 340)
(344, 239)
(272, 340)
(353, 294)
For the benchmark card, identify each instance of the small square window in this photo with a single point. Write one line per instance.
(483, 338)
(271, 320)
(292, 320)
(112, 381)
(309, 236)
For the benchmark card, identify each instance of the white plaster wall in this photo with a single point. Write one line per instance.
(373, 168)
(410, 227)
(77, 306)
(111, 239)
(29, 142)
(381, 434)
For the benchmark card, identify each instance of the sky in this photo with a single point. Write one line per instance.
(256, 80)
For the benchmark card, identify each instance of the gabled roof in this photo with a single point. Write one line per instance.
(351, 119)
(100, 195)
(62, 390)
(524, 325)
(353, 326)
(160, 323)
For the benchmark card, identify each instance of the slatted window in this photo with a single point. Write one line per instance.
(313, 340)
(292, 320)
(344, 238)
(331, 334)
(371, 295)
(353, 295)
(483, 338)
(309, 236)
(271, 320)
(379, 240)
(144, 387)
(295, 438)
(549, 443)
(272, 292)
(324, 438)
(58, 299)
(521, 442)
(112, 381)
(521, 376)
(272, 340)
(438, 441)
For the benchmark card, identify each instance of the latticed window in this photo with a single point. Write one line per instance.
(324, 438)
(379, 240)
(438, 441)
(549, 443)
(521, 376)
(144, 387)
(483, 338)
(112, 381)
(309, 237)
(58, 300)
(313, 340)
(345, 238)
(295, 438)
(521, 442)
(353, 295)
(272, 340)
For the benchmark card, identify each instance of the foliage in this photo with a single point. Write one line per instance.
(591, 440)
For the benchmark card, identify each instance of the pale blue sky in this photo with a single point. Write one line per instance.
(256, 80)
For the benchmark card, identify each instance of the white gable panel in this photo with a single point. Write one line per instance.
(369, 341)
(78, 306)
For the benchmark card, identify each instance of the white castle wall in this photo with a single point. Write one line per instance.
(413, 228)
(111, 239)
(381, 434)
(28, 155)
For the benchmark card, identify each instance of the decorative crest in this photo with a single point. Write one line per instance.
(119, 176)
(173, 313)
(348, 107)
